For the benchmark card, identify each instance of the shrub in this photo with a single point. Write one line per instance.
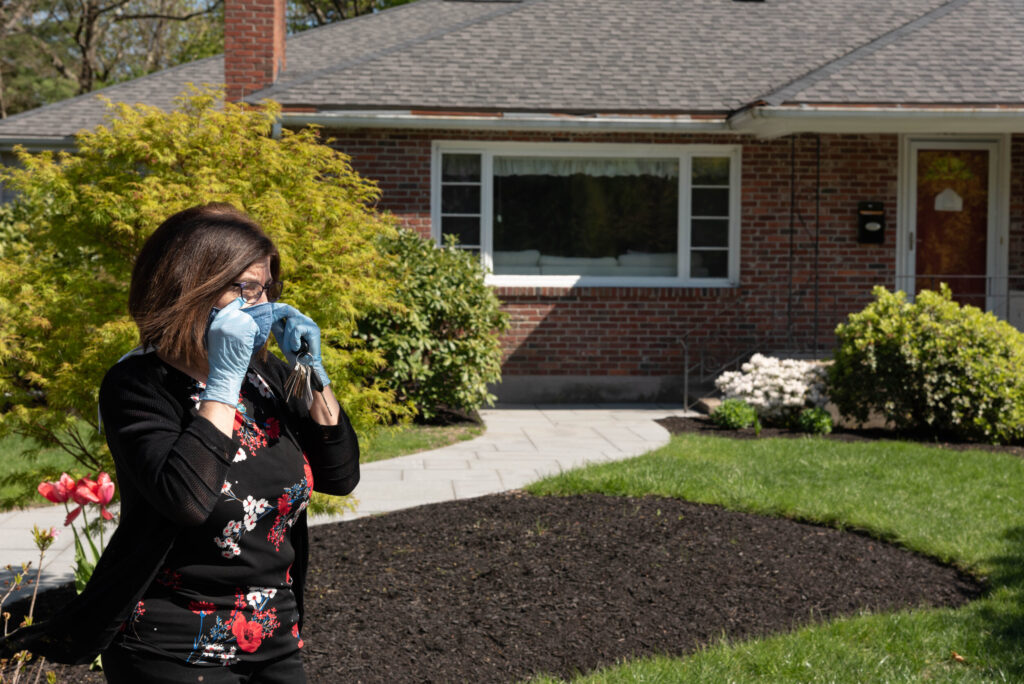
(440, 339)
(778, 389)
(815, 421)
(932, 367)
(83, 217)
(734, 414)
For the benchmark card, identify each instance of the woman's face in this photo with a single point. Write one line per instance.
(257, 272)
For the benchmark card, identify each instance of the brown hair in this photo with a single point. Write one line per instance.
(182, 270)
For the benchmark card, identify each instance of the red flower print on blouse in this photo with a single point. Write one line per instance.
(284, 505)
(295, 633)
(308, 471)
(248, 634)
(169, 578)
(273, 428)
(250, 435)
(201, 608)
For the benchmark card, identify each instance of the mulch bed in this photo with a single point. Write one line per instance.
(502, 587)
(702, 425)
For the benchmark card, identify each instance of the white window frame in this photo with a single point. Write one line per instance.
(683, 153)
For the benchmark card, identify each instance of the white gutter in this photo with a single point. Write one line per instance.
(37, 144)
(507, 122)
(775, 121)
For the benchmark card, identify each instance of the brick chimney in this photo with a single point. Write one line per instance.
(254, 32)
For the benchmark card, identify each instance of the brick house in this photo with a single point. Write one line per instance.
(659, 186)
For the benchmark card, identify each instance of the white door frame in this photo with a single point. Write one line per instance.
(998, 210)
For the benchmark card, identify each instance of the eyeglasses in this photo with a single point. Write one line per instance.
(252, 291)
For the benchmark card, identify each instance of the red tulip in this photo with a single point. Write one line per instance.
(85, 492)
(99, 491)
(71, 516)
(59, 491)
(105, 494)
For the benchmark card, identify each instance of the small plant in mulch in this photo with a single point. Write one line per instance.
(734, 414)
(815, 421)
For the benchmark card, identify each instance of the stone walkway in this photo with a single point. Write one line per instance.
(522, 444)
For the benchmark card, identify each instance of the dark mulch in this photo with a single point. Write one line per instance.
(501, 587)
(703, 425)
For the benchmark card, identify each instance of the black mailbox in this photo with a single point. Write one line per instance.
(870, 222)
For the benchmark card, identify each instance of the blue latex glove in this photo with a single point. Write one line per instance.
(229, 344)
(291, 327)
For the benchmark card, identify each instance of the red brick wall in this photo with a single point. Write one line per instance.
(639, 331)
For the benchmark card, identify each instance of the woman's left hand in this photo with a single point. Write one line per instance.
(291, 327)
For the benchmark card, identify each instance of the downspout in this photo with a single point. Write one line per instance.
(792, 237)
(817, 237)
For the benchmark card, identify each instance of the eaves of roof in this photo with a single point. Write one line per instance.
(767, 121)
(760, 120)
(510, 121)
(36, 143)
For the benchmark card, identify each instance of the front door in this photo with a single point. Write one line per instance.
(953, 188)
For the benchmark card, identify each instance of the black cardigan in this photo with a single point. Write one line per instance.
(170, 467)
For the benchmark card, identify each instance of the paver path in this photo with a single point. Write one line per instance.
(522, 444)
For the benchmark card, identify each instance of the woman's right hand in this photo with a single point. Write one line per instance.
(229, 343)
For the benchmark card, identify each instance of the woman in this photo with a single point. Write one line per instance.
(202, 581)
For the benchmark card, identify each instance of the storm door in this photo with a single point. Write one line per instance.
(952, 202)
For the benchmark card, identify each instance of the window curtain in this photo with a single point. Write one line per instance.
(549, 166)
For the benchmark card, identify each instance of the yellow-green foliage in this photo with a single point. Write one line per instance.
(84, 216)
(931, 366)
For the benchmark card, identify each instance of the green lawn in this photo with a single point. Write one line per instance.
(389, 442)
(966, 508)
(12, 463)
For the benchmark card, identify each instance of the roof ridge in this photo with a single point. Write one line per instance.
(272, 90)
(785, 92)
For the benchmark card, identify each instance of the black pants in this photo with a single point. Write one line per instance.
(131, 667)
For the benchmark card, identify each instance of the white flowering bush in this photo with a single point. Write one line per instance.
(779, 389)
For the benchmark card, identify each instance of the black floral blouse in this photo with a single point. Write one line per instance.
(224, 594)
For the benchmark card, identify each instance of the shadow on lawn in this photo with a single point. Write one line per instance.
(1002, 621)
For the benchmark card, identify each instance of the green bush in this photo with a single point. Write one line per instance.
(815, 421)
(69, 242)
(441, 340)
(734, 414)
(931, 367)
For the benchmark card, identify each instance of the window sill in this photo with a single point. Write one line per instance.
(573, 281)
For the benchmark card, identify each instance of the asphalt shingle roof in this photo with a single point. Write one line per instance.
(606, 56)
(62, 119)
(610, 56)
(969, 55)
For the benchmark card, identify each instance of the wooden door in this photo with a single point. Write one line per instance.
(951, 240)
